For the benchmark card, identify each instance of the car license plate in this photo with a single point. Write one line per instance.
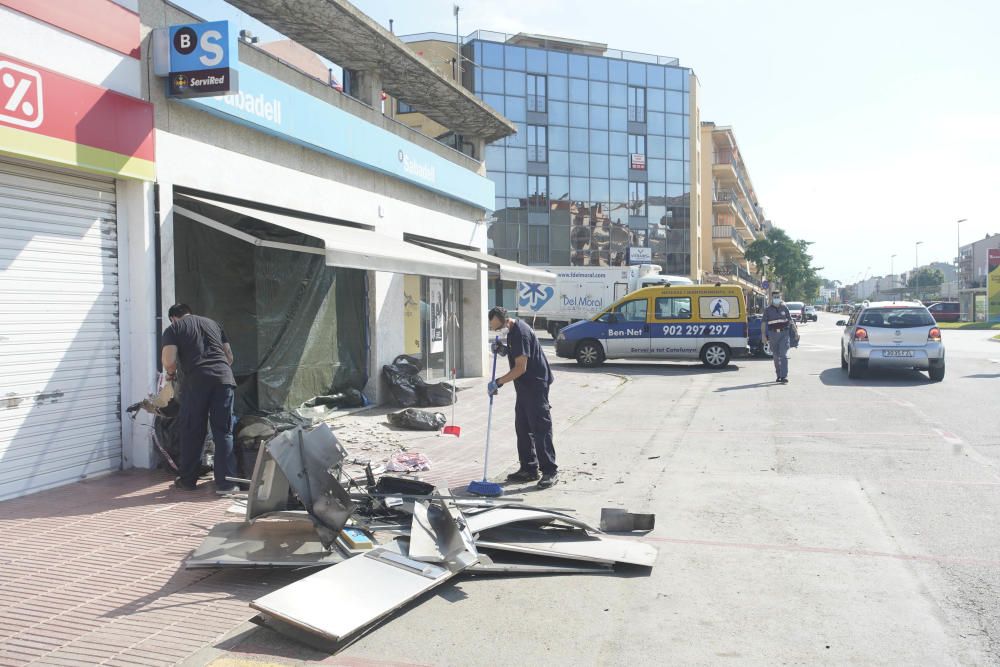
(897, 353)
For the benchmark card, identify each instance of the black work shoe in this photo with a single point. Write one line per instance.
(548, 480)
(185, 486)
(523, 475)
(783, 380)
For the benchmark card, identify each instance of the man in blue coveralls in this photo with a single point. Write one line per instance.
(531, 375)
(778, 329)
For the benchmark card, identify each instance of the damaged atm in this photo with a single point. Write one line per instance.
(382, 543)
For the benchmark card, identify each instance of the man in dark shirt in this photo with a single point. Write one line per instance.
(202, 349)
(531, 375)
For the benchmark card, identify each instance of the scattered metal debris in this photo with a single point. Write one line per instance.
(618, 520)
(384, 543)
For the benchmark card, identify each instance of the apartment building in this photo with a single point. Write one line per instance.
(730, 212)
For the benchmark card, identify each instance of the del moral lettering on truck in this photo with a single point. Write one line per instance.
(582, 302)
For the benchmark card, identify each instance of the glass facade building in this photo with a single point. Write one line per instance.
(602, 158)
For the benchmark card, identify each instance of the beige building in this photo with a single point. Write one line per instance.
(731, 217)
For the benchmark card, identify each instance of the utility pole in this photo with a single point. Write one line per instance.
(892, 275)
(916, 267)
(458, 47)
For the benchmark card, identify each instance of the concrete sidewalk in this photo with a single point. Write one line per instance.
(92, 573)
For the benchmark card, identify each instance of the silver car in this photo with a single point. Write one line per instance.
(887, 334)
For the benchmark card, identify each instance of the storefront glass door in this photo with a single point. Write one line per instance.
(432, 324)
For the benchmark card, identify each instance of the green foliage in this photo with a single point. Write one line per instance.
(789, 265)
(930, 280)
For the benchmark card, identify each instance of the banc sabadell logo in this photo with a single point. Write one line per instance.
(415, 168)
(534, 296)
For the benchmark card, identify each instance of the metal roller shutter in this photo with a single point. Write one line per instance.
(59, 349)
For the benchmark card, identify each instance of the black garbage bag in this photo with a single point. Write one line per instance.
(403, 378)
(436, 395)
(418, 420)
(349, 398)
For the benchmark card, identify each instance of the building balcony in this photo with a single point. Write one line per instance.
(737, 272)
(728, 200)
(724, 236)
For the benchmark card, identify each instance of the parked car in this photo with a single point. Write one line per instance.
(892, 335)
(946, 311)
(757, 344)
(795, 308)
(809, 314)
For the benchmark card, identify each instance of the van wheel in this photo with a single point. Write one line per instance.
(715, 355)
(589, 353)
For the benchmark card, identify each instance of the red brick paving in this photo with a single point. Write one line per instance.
(92, 573)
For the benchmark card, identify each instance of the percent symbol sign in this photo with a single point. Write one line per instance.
(16, 99)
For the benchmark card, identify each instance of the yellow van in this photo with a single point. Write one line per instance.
(685, 322)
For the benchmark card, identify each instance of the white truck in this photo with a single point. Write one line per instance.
(581, 292)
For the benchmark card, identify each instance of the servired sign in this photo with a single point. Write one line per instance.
(48, 116)
(199, 60)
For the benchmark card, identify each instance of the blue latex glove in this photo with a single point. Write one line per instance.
(492, 388)
(496, 347)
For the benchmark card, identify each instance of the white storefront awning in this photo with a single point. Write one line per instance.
(505, 269)
(346, 247)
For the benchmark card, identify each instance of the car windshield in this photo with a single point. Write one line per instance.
(794, 305)
(896, 318)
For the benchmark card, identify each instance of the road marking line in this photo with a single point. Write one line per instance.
(961, 447)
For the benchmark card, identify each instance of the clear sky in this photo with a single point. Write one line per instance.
(866, 125)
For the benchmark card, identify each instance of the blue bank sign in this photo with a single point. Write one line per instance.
(199, 56)
(273, 106)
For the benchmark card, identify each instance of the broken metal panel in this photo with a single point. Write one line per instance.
(263, 543)
(311, 462)
(619, 520)
(572, 544)
(503, 516)
(504, 564)
(425, 543)
(439, 534)
(268, 487)
(342, 600)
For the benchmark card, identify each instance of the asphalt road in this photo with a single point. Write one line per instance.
(825, 521)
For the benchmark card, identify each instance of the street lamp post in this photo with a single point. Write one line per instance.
(892, 273)
(958, 256)
(916, 266)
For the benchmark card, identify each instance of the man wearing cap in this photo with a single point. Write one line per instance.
(778, 328)
(531, 375)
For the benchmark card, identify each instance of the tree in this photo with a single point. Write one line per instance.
(789, 263)
(926, 280)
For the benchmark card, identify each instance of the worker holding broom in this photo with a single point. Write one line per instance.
(531, 375)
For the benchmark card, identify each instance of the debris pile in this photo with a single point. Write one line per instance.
(382, 543)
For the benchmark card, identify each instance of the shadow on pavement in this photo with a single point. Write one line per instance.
(836, 377)
(982, 376)
(756, 385)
